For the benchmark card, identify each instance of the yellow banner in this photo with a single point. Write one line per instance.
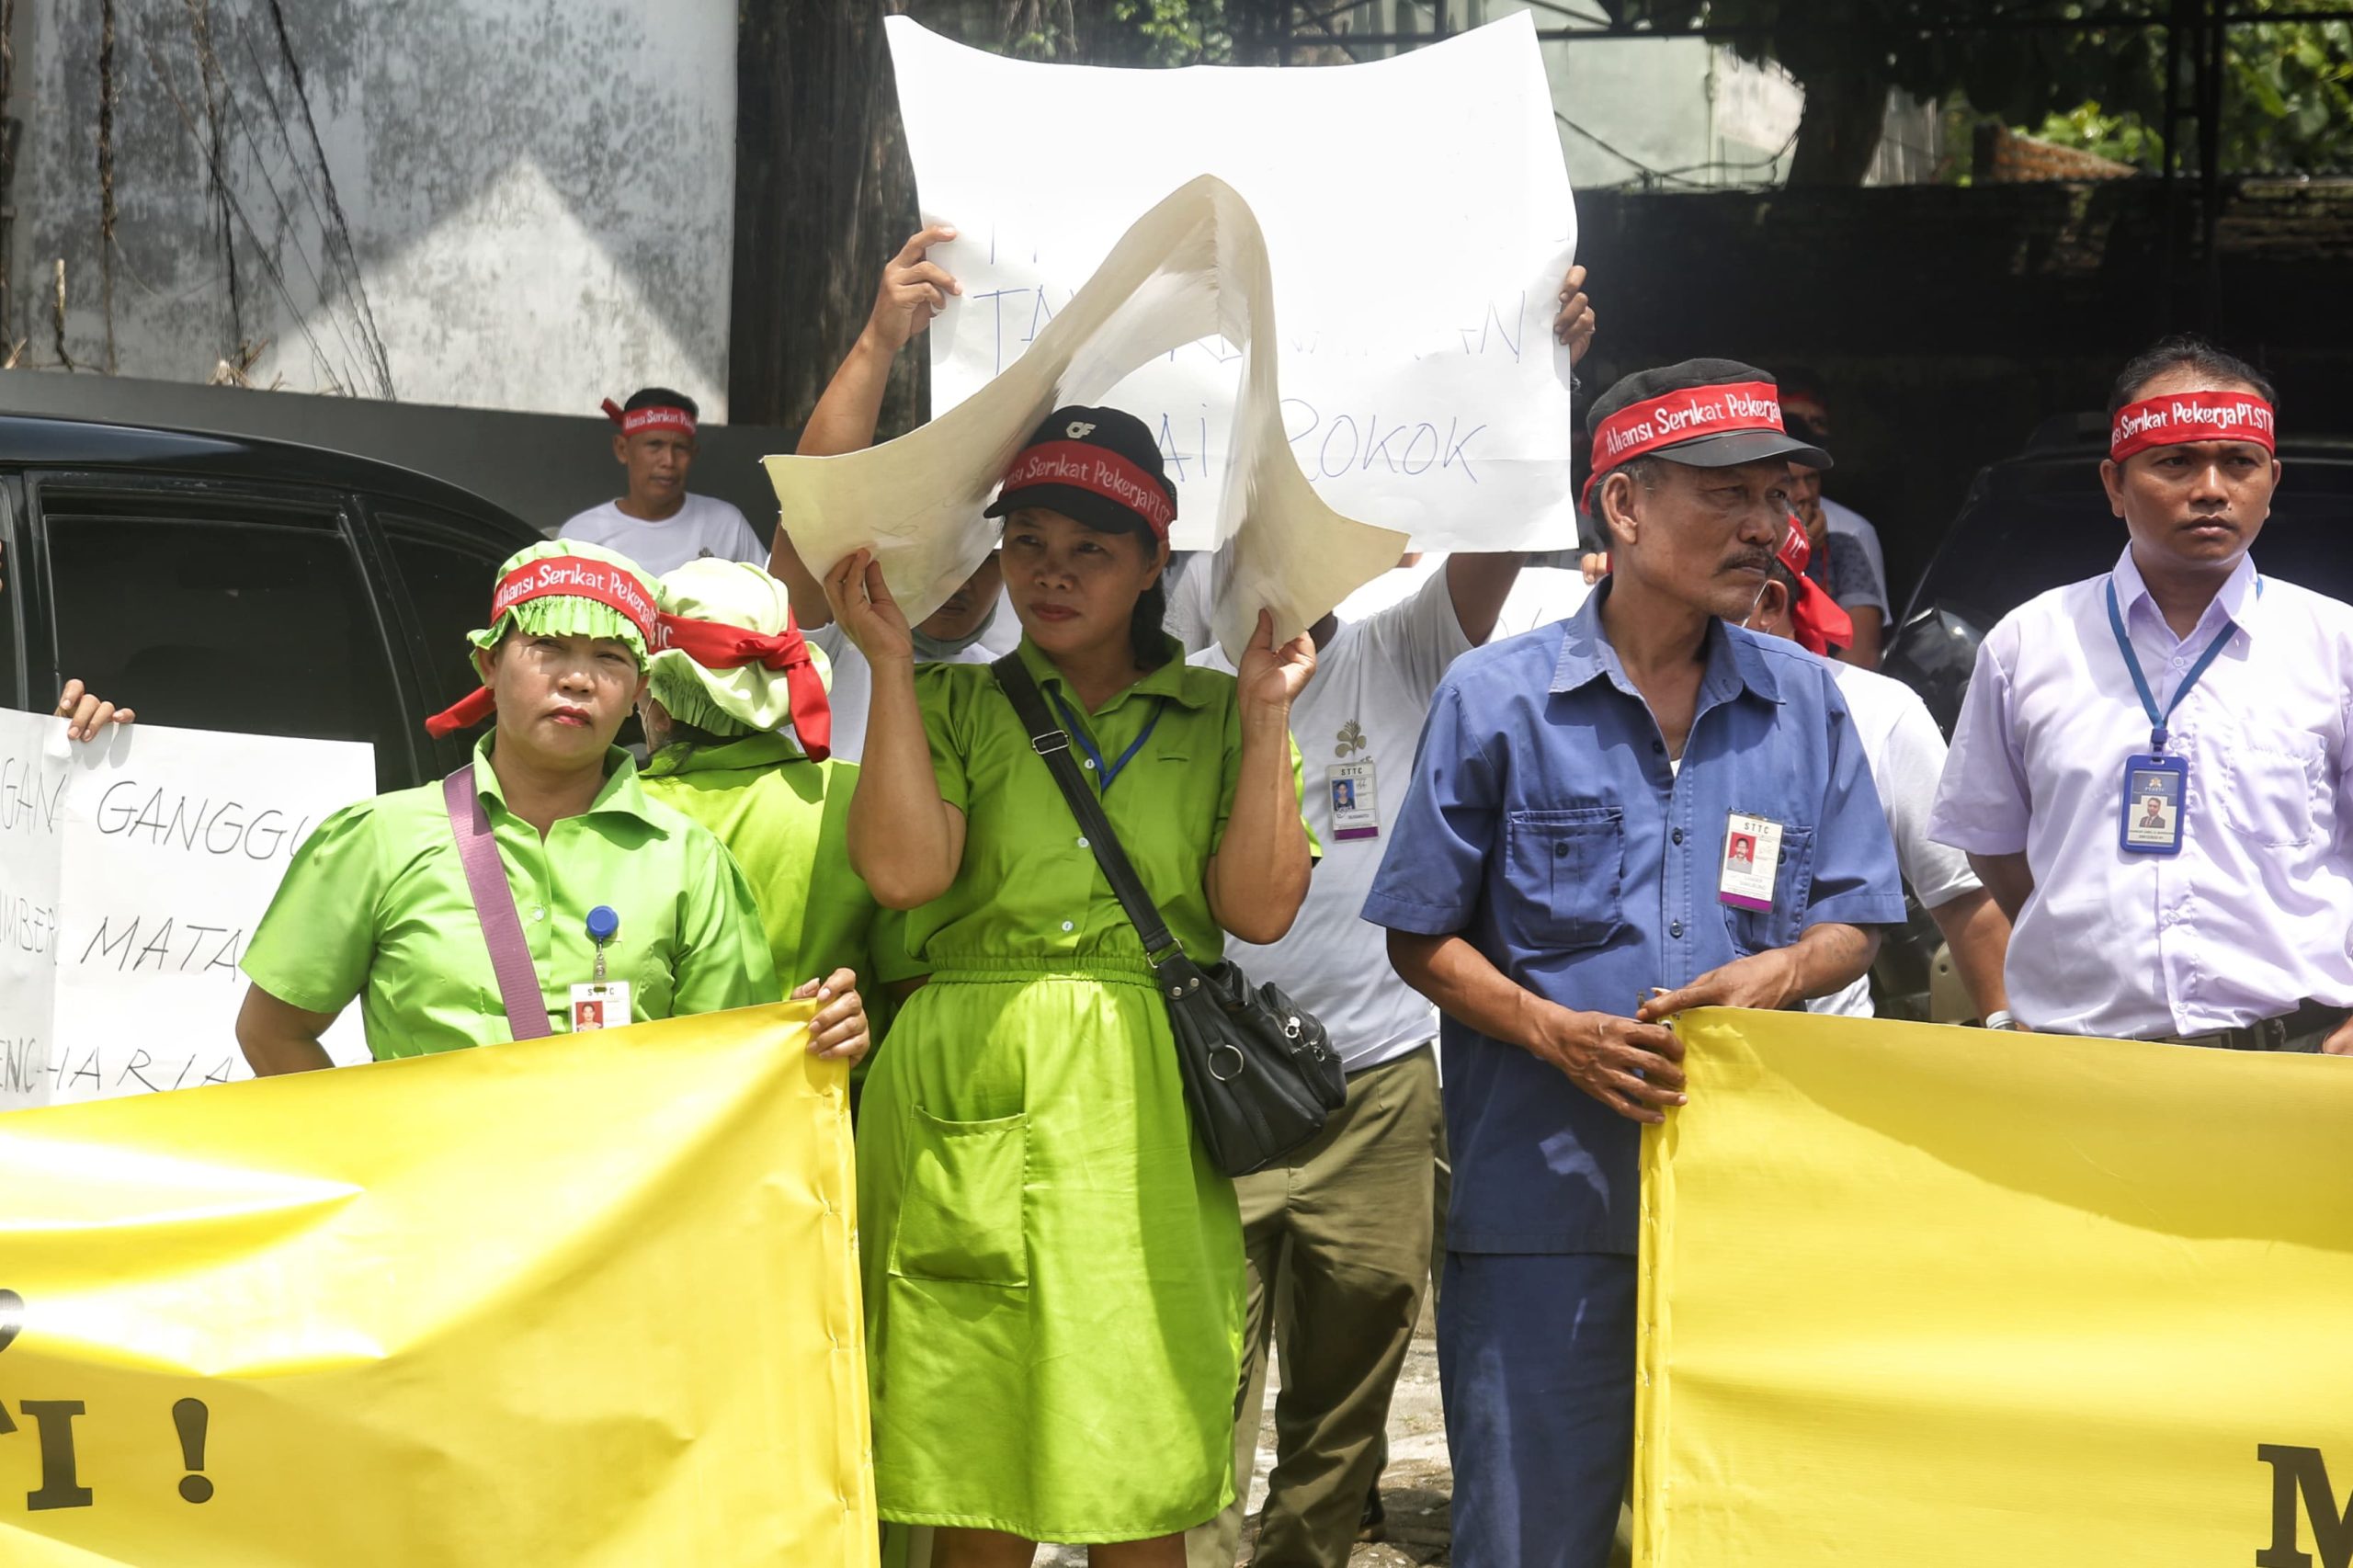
(583, 1300)
(1934, 1297)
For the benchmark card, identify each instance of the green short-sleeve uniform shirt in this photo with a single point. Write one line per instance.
(1029, 887)
(375, 905)
(785, 820)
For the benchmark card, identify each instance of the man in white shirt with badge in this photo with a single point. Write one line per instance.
(2219, 917)
(1907, 754)
(977, 624)
(1339, 1236)
(1342, 1228)
(655, 523)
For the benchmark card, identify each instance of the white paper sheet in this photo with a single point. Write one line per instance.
(1194, 267)
(1418, 219)
(156, 851)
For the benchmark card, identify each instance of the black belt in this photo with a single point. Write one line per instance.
(2273, 1034)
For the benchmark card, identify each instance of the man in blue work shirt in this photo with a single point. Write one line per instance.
(1566, 851)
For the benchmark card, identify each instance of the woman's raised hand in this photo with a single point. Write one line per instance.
(863, 607)
(1275, 673)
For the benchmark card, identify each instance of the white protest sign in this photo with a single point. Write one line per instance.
(1194, 265)
(1418, 220)
(158, 849)
(33, 776)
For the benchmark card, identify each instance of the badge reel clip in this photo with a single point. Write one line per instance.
(601, 1003)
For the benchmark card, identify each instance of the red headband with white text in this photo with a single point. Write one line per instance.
(2178, 417)
(660, 416)
(1677, 416)
(1098, 470)
(556, 577)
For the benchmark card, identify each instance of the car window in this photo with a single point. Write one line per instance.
(448, 568)
(207, 609)
(449, 577)
(12, 614)
(2035, 526)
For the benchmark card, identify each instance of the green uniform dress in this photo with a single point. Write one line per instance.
(1052, 1267)
(375, 905)
(785, 820)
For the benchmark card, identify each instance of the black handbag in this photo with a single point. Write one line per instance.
(1260, 1075)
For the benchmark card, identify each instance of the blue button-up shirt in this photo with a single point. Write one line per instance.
(1545, 825)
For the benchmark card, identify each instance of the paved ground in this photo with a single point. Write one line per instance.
(1416, 1488)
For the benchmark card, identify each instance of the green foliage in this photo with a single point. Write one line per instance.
(2287, 104)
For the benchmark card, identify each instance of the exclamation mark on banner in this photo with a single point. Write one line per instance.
(190, 1416)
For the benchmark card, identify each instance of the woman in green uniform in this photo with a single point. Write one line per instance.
(628, 910)
(1052, 1267)
(736, 717)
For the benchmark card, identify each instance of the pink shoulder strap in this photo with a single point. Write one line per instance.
(502, 928)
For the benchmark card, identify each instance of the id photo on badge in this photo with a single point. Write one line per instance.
(2153, 798)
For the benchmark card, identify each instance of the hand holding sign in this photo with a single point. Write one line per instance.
(912, 290)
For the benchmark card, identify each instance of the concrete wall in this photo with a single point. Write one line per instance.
(539, 194)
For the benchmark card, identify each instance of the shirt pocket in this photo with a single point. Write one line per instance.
(1762, 930)
(2273, 784)
(960, 1216)
(1563, 875)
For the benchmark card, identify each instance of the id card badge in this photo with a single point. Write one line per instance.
(2154, 791)
(1356, 804)
(1752, 857)
(604, 1005)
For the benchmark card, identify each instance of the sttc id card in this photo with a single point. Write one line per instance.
(2154, 791)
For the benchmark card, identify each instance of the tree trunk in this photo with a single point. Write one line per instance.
(824, 196)
(1838, 134)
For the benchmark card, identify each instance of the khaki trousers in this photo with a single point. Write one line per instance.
(1338, 1242)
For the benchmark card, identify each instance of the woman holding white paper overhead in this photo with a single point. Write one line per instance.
(1053, 1263)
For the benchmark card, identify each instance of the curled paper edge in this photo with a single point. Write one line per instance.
(1194, 265)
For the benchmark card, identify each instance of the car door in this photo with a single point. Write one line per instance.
(444, 564)
(219, 605)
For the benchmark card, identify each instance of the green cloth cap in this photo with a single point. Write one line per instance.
(750, 699)
(558, 615)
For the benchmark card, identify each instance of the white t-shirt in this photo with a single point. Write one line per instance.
(1848, 523)
(1906, 753)
(701, 526)
(1541, 595)
(1357, 725)
(849, 686)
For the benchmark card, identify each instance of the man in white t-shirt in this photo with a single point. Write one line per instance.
(1905, 751)
(977, 623)
(1342, 1227)
(656, 524)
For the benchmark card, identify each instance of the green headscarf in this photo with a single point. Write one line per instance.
(749, 699)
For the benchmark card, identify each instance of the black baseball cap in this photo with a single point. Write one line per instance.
(1132, 488)
(1722, 449)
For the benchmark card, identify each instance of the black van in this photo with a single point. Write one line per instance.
(219, 583)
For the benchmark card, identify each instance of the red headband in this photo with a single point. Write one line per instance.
(718, 646)
(1676, 416)
(1819, 620)
(661, 416)
(554, 576)
(2178, 417)
(1098, 470)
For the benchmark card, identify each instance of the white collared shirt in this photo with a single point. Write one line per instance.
(2256, 914)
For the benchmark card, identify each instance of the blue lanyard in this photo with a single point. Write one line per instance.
(2141, 682)
(1105, 774)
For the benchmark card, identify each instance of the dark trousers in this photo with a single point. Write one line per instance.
(1536, 1355)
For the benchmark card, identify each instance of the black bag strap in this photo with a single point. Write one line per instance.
(1050, 741)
